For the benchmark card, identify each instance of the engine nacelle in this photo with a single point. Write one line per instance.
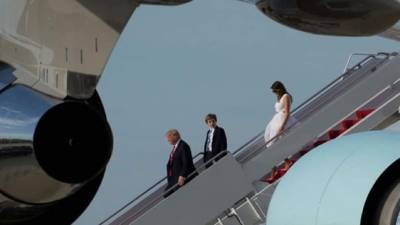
(351, 180)
(53, 154)
(165, 2)
(334, 17)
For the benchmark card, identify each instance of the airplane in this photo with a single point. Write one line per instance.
(55, 140)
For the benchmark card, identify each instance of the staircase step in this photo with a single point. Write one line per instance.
(319, 142)
(346, 124)
(334, 133)
(272, 179)
(361, 114)
(304, 150)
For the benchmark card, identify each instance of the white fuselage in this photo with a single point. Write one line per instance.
(61, 47)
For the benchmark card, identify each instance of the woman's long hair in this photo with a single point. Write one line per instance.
(279, 89)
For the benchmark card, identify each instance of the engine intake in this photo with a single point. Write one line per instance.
(49, 148)
(53, 155)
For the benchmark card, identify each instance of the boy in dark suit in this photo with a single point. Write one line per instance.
(215, 140)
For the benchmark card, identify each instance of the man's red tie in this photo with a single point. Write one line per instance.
(171, 159)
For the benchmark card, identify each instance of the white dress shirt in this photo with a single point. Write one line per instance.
(177, 143)
(210, 139)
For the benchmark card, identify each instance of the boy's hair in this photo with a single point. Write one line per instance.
(211, 116)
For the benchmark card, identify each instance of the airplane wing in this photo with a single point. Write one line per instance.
(338, 18)
(393, 33)
(60, 47)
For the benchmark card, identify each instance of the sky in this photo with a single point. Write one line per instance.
(173, 65)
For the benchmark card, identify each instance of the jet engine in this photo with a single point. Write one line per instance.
(164, 2)
(334, 17)
(53, 154)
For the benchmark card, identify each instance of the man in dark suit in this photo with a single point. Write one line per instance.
(215, 140)
(180, 168)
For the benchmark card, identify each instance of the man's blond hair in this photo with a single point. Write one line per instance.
(174, 132)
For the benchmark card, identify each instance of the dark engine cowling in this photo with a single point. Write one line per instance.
(164, 2)
(53, 155)
(334, 17)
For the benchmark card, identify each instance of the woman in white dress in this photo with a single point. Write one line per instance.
(282, 118)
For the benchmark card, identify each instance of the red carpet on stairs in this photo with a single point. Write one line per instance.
(361, 114)
(346, 124)
(332, 134)
(319, 142)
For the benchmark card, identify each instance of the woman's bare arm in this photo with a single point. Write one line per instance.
(286, 111)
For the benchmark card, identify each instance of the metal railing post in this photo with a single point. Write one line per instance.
(233, 213)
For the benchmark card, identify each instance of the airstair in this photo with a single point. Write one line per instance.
(237, 189)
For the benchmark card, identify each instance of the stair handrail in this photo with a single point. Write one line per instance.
(346, 68)
(144, 193)
(199, 170)
(370, 102)
(270, 185)
(322, 90)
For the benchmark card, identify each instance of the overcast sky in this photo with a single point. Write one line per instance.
(173, 65)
